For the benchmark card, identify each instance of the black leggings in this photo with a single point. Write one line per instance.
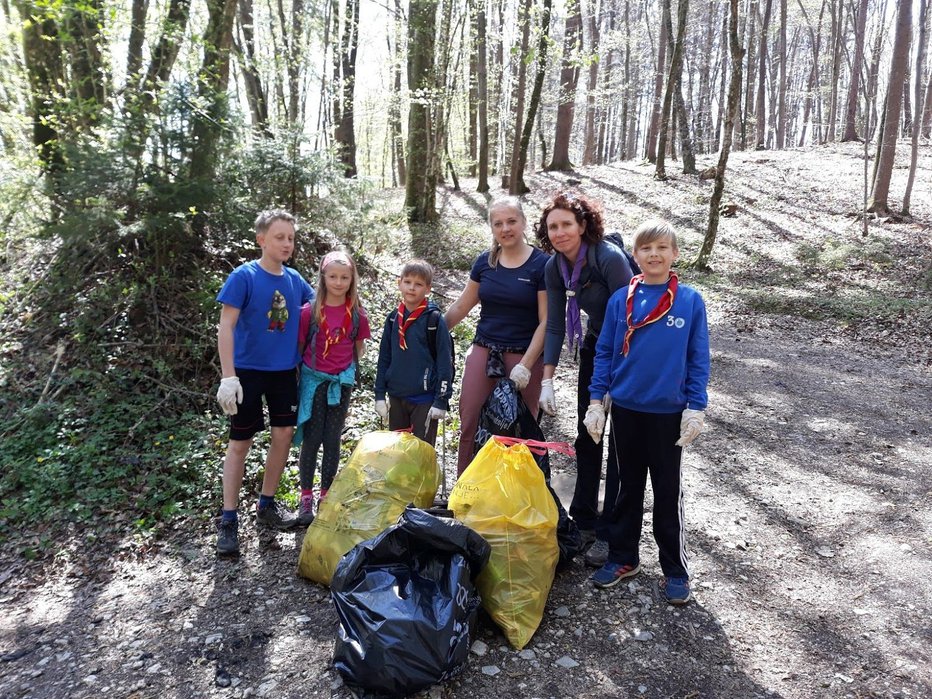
(325, 427)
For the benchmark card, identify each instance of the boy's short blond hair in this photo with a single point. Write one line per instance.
(418, 268)
(266, 218)
(654, 229)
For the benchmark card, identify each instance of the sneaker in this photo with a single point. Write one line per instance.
(276, 516)
(306, 510)
(597, 555)
(611, 574)
(676, 590)
(228, 537)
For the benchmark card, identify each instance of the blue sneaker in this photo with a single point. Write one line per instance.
(676, 590)
(611, 574)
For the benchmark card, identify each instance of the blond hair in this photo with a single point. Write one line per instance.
(508, 202)
(335, 257)
(654, 229)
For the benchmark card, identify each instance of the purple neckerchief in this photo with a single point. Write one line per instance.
(573, 321)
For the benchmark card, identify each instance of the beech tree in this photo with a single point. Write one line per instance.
(420, 194)
(569, 79)
(857, 61)
(891, 119)
(734, 96)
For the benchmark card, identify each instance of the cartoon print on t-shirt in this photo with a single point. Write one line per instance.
(278, 316)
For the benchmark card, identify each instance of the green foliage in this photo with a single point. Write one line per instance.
(835, 255)
(123, 280)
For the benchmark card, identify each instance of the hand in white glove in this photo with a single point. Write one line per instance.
(381, 409)
(548, 401)
(691, 425)
(595, 421)
(436, 414)
(520, 375)
(229, 394)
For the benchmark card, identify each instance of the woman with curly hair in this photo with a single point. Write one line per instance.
(583, 273)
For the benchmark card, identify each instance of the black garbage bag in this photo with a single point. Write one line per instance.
(504, 413)
(407, 605)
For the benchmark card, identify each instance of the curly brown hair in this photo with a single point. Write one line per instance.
(588, 214)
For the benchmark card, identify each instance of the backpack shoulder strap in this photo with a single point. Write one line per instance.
(433, 322)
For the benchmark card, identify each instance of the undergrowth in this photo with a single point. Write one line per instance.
(108, 332)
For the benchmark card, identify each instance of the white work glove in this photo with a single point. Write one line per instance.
(595, 421)
(691, 425)
(381, 409)
(548, 401)
(520, 375)
(436, 414)
(229, 394)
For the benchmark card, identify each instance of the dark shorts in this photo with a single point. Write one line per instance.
(280, 389)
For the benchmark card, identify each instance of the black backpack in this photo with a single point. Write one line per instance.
(433, 323)
(615, 239)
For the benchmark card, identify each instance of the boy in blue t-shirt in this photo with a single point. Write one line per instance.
(258, 345)
(652, 361)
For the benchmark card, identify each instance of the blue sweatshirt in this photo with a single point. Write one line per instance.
(606, 270)
(412, 373)
(667, 365)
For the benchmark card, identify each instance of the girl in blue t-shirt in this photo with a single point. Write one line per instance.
(332, 337)
(508, 282)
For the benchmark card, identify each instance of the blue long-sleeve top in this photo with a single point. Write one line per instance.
(605, 271)
(667, 365)
(412, 373)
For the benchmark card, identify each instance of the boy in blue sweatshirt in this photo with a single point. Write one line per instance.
(652, 367)
(415, 369)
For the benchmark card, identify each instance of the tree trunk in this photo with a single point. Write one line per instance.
(734, 96)
(917, 121)
(873, 75)
(345, 132)
(891, 126)
(626, 153)
(137, 36)
(815, 39)
(296, 52)
(760, 111)
(90, 78)
(590, 142)
(255, 95)
(420, 194)
(517, 176)
(927, 112)
(676, 65)
(141, 103)
(569, 79)
(42, 57)
(482, 81)
(749, 87)
(524, 21)
(653, 128)
(394, 108)
(781, 95)
(213, 79)
(837, 31)
(472, 99)
(851, 111)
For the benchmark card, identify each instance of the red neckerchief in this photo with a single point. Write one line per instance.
(340, 332)
(663, 305)
(405, 324)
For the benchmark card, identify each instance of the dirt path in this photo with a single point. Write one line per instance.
(808, 512)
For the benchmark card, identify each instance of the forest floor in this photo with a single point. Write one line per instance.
(808, 499)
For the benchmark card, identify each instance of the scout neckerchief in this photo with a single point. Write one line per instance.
(664, 304)
(571, 281)
(403, 324)
(340, 332)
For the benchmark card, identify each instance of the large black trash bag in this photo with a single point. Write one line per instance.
(407, 605)
(505, 413)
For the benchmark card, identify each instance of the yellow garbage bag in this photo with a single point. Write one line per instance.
(385, 472)
(502, 495)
